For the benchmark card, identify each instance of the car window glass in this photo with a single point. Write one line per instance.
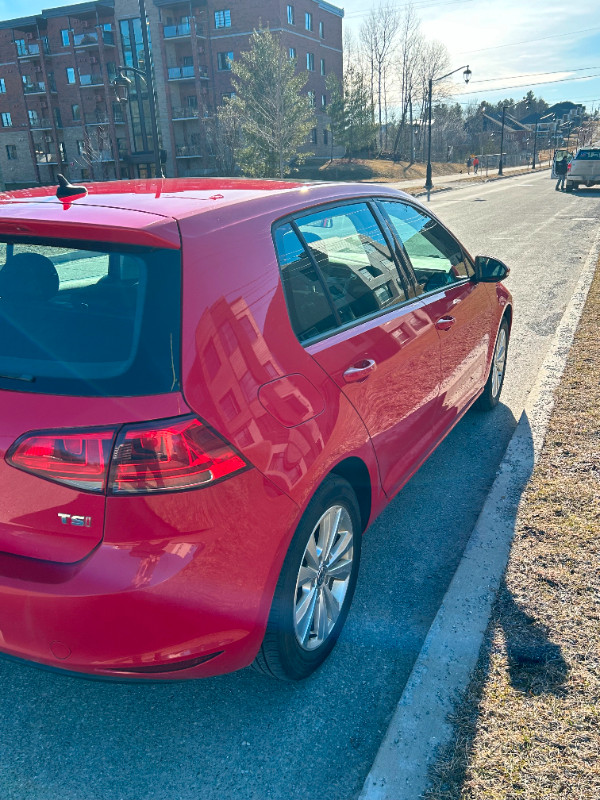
(354, 260)
(588, 155)
(309, 309)
(436, 257)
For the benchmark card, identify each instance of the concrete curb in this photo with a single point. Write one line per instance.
(449, 654)
(461, 183)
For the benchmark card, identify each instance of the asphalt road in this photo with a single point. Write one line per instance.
(243, 736)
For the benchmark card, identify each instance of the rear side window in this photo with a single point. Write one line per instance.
(89, 321)
(308, 306)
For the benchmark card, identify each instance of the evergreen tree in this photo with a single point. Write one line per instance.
(275, 118)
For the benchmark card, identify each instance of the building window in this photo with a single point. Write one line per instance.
(224, 60)
(11, 152)
(191, 101)
(322, 66)
(76, 112)
(223, 19)
(64, 35)
(308, 21)
(2, 86)
(80, 147)
(292, 54)
(321, 30)
(62, 150)
(57, 118)
(325, 136)
(310, 62)
(311, 98)
(21, 47)
(70, 75)
(313, 136)
(6, 120)
(227, 96)
(323, 101)
(33, 117)
(290, 15)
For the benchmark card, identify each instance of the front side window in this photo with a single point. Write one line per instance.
(308, 22)
(290, 15)
(436, 257)
(70, 75)
(90, 320)
(310, 62)
(6, 119)
(223, 19)
(224, 60)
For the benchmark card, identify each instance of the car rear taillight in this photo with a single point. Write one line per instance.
(170, 455)
(160, 456)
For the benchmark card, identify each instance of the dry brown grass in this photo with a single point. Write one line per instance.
(529, 725)
(374, 169)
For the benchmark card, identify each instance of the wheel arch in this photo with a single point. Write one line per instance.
(355, 471)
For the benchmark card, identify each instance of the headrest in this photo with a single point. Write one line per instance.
(28, 276)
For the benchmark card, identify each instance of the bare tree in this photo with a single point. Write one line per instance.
(410, 45)
(433, 62)
(378, 36)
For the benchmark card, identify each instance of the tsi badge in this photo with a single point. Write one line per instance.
(81, 522)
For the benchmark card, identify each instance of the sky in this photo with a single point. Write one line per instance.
(550, 46)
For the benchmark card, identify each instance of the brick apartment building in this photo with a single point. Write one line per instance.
(58, 111)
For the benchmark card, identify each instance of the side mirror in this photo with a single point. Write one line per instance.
(490, 270)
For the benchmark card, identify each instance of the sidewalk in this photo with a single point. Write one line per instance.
(441, 181)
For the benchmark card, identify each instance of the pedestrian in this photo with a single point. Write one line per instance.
(561, 173)
(475, 165)
(469, 165)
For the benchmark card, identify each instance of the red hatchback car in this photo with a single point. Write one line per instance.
(208, 390)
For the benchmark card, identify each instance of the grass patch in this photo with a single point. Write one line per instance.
(528, 726)
(375, 169)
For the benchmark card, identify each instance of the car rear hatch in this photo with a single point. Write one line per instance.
(586, 165)
(89, 341)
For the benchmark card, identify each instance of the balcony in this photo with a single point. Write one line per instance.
(178, 31)
(40, 124)
(27, 50)
(185, 113)
(46, 158)
(181, 73)
(91, 80)
(93, 38)
(188, 151)
(38, 87)
(101, 156)
(102, 119)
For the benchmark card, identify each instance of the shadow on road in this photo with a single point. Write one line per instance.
(243, 735)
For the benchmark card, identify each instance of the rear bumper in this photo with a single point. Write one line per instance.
(179, 588)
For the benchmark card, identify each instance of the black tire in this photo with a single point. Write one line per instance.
(492, 390)
(569, 186)
(281, 654)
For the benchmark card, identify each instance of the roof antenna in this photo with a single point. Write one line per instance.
(66, 189)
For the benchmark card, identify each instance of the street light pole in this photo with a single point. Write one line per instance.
(535, 145)
(432, 80)
(501, 142)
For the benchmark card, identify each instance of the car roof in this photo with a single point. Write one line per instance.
(181, 197)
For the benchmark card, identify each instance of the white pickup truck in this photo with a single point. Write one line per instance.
(584, 169)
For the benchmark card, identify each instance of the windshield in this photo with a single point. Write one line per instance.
(88, 320)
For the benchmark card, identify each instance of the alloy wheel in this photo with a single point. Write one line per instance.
(499, 362)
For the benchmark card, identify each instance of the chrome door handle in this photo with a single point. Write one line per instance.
(445, 323)
(360, 371)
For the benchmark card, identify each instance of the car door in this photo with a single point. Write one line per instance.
(352, 308)
(460, 309)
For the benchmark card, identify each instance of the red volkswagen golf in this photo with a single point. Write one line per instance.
(208, 390)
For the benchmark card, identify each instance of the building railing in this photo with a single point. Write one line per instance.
(38, 87)
(185, 113)
(101, 156)
(45, 158)
(177, 73)
(100, 118)
(93, 38)
(24, 50)
(171, 31)
(91, 80)
(40, 123)
(188, 151)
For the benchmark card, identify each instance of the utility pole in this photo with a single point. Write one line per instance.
(500, 165)
(535, 145)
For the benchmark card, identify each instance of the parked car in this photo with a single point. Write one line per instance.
(208, 390)
(584, 169)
